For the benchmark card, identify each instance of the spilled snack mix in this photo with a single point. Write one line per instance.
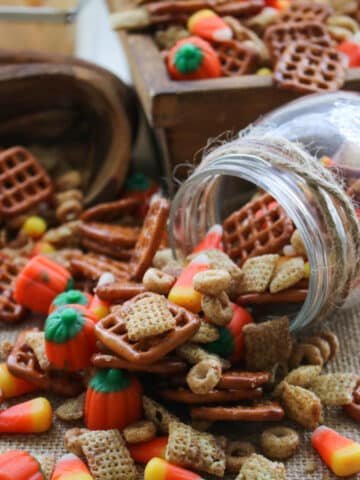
(118, 336)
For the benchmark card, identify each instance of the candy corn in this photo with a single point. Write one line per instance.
(213, 239)
(70, 467)
(98, 307)
(208, 25)
(340, 454)
(12, 386)
(159, 469)
(34, 227)
(34, 416)
(145, 451)
(182, 293)
(42, 247)
(19, 465)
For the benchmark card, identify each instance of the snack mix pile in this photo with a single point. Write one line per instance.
(127, 327)
(306, 46)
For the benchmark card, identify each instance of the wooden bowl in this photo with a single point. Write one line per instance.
(70, 114)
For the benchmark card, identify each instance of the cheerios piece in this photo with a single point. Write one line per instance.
(298, 243)
(218, 310)
(211, 282)
(72, 409)
(207, 333)
(279, 443)
(333, 341)
(236, 454)
(322, 345)
(204, 376)
(141, 431)
(305, 353)
(69, 180)
(157, 281)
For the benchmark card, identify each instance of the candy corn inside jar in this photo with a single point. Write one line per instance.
(285, 197)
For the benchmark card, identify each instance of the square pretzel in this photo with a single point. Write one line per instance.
(308, 68)
(112, 332)
(258, 228)
(235, 58)
(23, 182)
(10, 311)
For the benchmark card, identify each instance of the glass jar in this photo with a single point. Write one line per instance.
(325, 126)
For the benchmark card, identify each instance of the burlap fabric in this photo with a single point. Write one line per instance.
(346, 324)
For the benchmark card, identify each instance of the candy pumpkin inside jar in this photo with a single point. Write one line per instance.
(113, 400)
(70, 338)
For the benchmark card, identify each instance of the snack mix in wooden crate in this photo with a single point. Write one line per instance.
(307, 46)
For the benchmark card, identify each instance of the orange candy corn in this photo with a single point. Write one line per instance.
(99, 307)
(208, 25)
(145, 451)
(340, 454)
(34, 416)
(213, 239)
(159, 469)
(182, 293)
(19, 465)
(12, 386)
(70, 467)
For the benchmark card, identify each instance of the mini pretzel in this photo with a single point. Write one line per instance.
(211, 282)
(215, 396)
(112, 251)
(110, 234)
(111, 210)
(112, 332)
(306, 353)
(267, 412)
(204, 376)
(236, 454)
(353, 409)
(91, 266)
(217, 310)
(233, 380)
(10, 311)
(279, 443)
(150, 238)
(158, 281)
(291, 295)
(118, 292)
(166, 366)
(23, 182)
(141, 431)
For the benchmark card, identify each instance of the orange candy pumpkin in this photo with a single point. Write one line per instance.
(193, 59)
(39, 282)
(70, 338)
(113, 400)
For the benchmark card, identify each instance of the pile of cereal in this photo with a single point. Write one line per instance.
(153, 350)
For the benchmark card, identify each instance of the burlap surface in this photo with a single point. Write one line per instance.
(347, 326)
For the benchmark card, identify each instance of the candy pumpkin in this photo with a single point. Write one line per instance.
(19, 465)
(193, 59)
(70, 297)
(39, 282)
(113, 400)
(230, 344)
(70, 337)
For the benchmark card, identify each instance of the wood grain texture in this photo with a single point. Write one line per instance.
(61, 102)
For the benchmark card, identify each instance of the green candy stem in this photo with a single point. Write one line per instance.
(63, 324)
(109, 380)
(70, 296)
(224, 345)
(188, 58)
(138, 182)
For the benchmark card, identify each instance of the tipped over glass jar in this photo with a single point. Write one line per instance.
(306, 156)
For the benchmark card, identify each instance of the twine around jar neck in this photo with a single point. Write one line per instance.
(323, 183)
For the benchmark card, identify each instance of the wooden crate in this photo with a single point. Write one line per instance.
(185, 115)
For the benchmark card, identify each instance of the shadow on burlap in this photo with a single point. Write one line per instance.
(345, 324)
